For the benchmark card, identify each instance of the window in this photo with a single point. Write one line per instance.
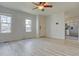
(28, 25)
(5, 24)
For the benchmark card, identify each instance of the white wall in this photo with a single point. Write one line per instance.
(18, 29)
(53, 30)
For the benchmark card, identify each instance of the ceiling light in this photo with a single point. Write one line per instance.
(40, 7)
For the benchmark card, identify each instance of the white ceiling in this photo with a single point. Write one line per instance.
(28, 6)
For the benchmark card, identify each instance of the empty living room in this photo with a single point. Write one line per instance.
(39, 28)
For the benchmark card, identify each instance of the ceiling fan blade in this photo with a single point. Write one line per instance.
(48, 6)
(35, 8)
(35, 3)
(42, 3)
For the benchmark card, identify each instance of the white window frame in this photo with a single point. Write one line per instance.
(5, 24)
(28, 25)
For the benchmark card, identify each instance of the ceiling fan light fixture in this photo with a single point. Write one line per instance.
(40, 7)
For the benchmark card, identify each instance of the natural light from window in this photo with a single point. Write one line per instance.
(5, 24)
(28, 25)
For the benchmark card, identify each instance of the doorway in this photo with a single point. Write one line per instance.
(71, 29)
(42, 26)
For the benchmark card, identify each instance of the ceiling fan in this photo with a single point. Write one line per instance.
(42, 5)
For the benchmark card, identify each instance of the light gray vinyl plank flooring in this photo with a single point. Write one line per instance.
(40, 47)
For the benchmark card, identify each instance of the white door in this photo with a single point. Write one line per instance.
(42, 26)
